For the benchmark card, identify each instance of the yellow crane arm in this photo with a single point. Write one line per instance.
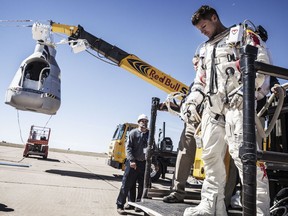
(123, 59)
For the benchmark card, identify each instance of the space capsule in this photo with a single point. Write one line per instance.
(36, 84)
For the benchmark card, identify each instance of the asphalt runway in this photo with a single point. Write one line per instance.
(64, 184)
(69, 183)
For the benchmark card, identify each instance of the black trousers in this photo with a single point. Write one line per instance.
(130, 177)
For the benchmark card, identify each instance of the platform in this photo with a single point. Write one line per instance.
(156, 207)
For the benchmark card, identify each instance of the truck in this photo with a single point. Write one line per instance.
(80, 40)
(116, 152)
(37, 142)
(164, 157)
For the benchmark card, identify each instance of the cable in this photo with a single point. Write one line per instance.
(281, 95)
(19, 127)
(280, 208)
(48, 121)
(20, 131)
(14, 21)
(27, 20)
(71, 40)
(24, 20)
(278, 203)
(29, 26)
(251, 23)
(101, 58)
(43, 131)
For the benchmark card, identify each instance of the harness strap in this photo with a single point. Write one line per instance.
(213, 76)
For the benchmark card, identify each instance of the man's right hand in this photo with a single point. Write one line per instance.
(173, 106)
(277, 88)
(162, 107)
(133, 165)
(190, 114)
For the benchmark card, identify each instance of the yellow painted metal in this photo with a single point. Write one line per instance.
(64, 29)
(152, 75)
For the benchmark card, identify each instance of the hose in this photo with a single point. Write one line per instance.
(264, 133)
(276, 207)
(280, 208)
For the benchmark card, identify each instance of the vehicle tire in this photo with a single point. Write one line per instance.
(26, 150)
(46, 153)
(156, 170)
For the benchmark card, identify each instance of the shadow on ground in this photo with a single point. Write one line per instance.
(41, 158)
(4, 208)
(83, 175)
(49, 159)
(163, 182)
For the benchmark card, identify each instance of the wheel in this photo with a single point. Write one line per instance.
(25, 153)
(46, 153)
(156, 170)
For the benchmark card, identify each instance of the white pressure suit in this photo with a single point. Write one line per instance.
(217, 81)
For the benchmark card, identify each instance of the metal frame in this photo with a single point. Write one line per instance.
(248, 152)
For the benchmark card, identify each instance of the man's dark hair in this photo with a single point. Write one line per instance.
(205, 12)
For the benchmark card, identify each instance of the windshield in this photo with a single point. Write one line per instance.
(119, 132)
(122, 131)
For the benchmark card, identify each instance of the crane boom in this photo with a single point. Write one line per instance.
(123, 59)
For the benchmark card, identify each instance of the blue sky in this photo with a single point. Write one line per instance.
(97, 96)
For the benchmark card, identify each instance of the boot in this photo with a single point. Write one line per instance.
(206, 209)
(203, 209)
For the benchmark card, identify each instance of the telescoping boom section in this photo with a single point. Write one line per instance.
(78, 37)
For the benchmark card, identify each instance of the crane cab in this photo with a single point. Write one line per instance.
(117, 151)
(36, 84)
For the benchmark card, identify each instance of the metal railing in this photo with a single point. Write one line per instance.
(248, 152)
